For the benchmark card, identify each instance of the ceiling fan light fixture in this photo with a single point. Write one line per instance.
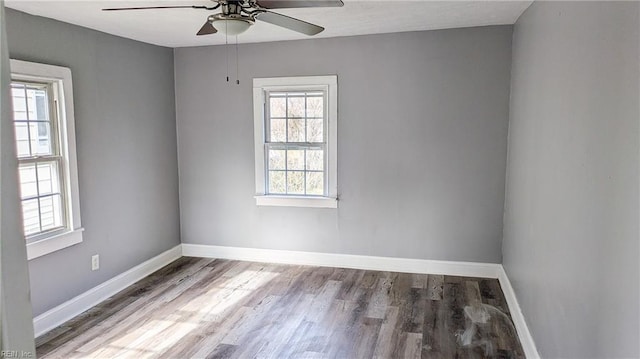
(232, 27)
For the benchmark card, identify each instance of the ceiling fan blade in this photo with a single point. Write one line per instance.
(290, 23)
(156, 7)
(286, 4)
(207, 29)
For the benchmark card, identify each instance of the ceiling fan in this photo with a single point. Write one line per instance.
(237, 16)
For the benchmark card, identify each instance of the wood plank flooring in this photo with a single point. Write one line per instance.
(204, 308)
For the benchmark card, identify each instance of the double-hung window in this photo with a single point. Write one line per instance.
(295, 122)
(45, 145)
(39, 157)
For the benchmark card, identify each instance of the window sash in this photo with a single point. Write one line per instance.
(308, 93)
(286, 145)
(53, 122)
(58, 212)
(268, 147)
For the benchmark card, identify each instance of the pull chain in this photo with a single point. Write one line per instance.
(226, 48)
(237, 63)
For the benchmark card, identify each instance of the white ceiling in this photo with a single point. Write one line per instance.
(177, 27)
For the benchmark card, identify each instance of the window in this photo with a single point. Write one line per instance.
(295, 121)
(45, 146)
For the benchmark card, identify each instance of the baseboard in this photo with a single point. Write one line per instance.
(528, 345)
(405, 265)
(73, 307)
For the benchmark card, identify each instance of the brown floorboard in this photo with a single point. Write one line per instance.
(204, 308)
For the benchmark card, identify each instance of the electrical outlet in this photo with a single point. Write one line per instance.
(95, 262)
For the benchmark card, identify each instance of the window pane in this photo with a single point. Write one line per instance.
(277, 107)
(31, 216)
(296, 130)
(59, 212)
(33, 136)
(19, 115)
(295, 182)
(23, 149)
(19, 102)
(48, 178)
(41, 143)
(28, 185)
(276, 160)
(295, 160)
(315, 106)
(278, 130)
(295, 106)
(315, 130)
(41, 107)
(37, 104)
(315, 160)
(277, 184)
(22, 139)
(315, 183)
(50, 212)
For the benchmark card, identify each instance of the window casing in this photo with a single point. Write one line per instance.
(295, 122)
(45, 142)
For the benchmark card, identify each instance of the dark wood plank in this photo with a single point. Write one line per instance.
(350, 286)
(431, 342)
(492, 294)
(453, 315)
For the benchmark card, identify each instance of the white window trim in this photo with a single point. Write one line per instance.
(29, 71)
(260, 85)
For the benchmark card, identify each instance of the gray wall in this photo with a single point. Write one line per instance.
(126, 144)
(571, 223)
(422, 128)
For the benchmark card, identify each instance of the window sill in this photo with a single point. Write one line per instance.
(293, 201)
(54, 243)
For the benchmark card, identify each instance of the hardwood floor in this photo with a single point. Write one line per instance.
(205, 308)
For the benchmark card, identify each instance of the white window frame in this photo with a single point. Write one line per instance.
(260, 87)
(60, 79)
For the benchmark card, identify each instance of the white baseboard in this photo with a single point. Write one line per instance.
(75, 306)
(406, 265)
(528, 345)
